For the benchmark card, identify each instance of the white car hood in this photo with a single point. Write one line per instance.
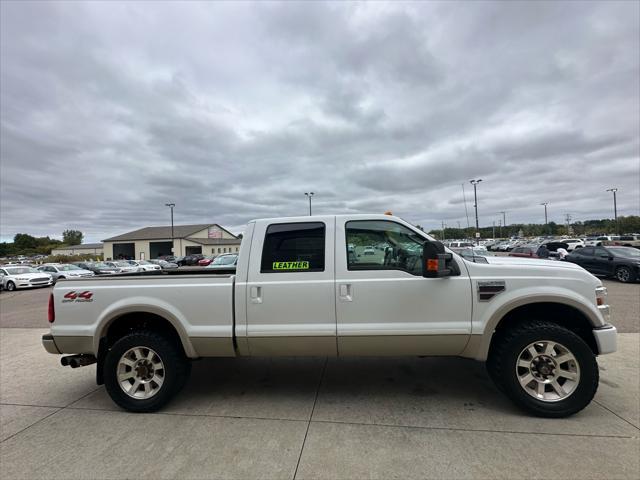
(532, 262)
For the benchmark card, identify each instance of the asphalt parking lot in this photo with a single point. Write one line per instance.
(309, 417)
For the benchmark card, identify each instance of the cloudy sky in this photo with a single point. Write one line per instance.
(234, 110)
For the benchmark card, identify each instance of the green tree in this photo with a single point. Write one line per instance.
(24, 241)
(72, 237)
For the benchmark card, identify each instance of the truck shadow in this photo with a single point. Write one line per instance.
(291, 388)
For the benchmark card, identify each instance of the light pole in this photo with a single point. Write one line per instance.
(475, 204)
(615, 206)
(546, 223)
(504, 220)
(309, 194)
(171, 205)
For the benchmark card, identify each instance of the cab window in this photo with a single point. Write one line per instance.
(293, 247)
(383, 245)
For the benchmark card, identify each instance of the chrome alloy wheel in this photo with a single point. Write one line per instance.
(140, 373)
(548, 371)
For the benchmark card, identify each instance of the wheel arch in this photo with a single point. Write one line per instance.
(563, 311)
(143, 318)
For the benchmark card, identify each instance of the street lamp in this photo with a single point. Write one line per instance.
(615, 206)
(504, 220)
(309, 194)
(171, 205)
(475, 198)
(546, 223)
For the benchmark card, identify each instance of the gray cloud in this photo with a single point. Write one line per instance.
(233, 111)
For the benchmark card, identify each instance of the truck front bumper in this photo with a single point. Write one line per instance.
(606, 339)
(49, 344)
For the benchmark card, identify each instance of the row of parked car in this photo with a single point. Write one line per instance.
(609, 260)
(629, 240)
(17, 276)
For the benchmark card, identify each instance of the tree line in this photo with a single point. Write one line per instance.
(25, 244)
(628, 224)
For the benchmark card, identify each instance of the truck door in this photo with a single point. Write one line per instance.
(290, 289)
(384, 304)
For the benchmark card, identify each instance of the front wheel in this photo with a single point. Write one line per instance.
(544, 368)
(144, 370)
(624, 274)
(11, 286)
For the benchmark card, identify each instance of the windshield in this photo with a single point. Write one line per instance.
(225, 260)
(102, 265)
(123, 264)
(627, 252)
(144, 262)
(66, 268)
(21, 270)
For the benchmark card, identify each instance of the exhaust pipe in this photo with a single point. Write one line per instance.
(80, 360)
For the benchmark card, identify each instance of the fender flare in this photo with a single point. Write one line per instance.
(105, 322)
(480, 349)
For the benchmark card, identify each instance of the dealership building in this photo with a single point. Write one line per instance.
(84, 249)
(154, 242)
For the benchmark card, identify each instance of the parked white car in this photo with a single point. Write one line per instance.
(143, 265)
(60, 271)
(123, 266)
(14, 277)
(573, 243)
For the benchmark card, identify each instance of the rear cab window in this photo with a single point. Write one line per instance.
(294, 247)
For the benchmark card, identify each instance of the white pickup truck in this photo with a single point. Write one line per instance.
(311, 286)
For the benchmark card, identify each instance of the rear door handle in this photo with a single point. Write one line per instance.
(345, 293)
(256, 295)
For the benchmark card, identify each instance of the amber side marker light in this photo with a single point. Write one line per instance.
(388, 212)
(432, 265)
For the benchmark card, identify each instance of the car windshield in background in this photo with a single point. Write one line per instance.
(627, 252)
(66, 268)
(123, 264)
(144, 262)
(21, 270)
(225, 260)
(102, 265)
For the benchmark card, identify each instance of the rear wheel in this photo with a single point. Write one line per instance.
(545, 369)
(144, 370)
(624, 274)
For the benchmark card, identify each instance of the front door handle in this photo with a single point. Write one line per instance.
(256, 295)
(345, 292)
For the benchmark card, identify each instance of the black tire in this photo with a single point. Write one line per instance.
(11, 286)
(506, 349)
(624, 274)
(177, 368)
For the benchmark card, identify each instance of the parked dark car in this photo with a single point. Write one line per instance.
(190, 259)
(98, 268)
(623, 263)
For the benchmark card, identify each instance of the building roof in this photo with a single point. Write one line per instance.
(164, 232)
(216, 241)
(84, 246)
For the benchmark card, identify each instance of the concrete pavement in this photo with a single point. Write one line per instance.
(310, 418)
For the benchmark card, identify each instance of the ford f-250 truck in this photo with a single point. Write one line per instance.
(304, 286)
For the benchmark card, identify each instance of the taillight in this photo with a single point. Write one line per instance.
(52, 310)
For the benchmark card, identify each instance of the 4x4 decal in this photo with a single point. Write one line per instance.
(73, 296)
